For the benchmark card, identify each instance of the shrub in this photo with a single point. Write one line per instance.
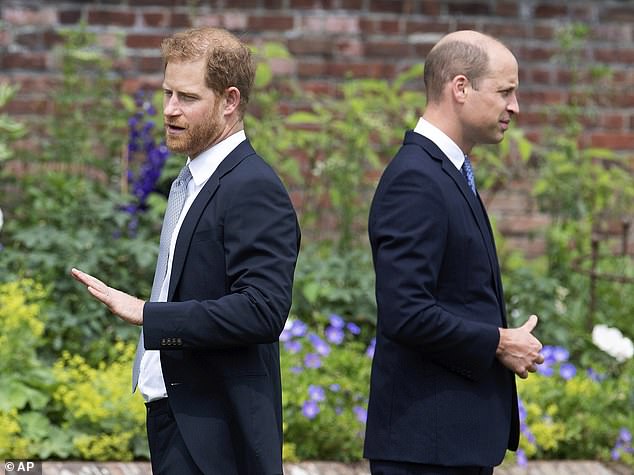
(325, 379)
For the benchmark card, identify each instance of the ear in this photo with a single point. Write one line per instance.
(459, 88)
(232, 100)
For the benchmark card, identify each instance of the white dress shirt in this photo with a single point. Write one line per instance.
(442, 140)
(151, 383)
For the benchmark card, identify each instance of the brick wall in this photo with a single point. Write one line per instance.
(330, 39)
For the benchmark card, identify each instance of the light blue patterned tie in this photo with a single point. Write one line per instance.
(175, 202)
(467, 171)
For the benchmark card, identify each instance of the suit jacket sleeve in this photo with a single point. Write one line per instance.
(261, 240)
(409, 228)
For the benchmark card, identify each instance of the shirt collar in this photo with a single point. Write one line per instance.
(442, 140)
(205, 164)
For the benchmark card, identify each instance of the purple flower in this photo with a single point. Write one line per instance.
(361, 413)
(297, 369)
(560, 354)
(545, 370)
(316, 393)
(616, 454)
(336, 321)
(310, 409)
(371, 347)
(522, 461)
(567, 371)
(334, 335)
(298, 328)
(312, 360)
(335, 388)
(594, 376)
(338, 410)
(548, 354)
(320, 345)
(353, 328)
(293, 346)
(625, 435)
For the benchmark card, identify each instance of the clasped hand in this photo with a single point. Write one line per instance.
(126, 307)
(519, 350)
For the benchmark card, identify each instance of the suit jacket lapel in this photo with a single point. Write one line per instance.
(477, 208)
(242, 151)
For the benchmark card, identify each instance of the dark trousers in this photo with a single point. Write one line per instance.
(384, 467)
(168, 453)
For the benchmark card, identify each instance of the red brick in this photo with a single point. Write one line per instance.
(541, 97)
(387, 49)
(543, 32)
(623, 14)
(308, 4)
(149, 64)
(426, 26)
(33, 61)
(155, 19)
(507, 9)
(376, 26)
(23, 106)
(132, 85)
(613, 140)
(29, 16)
(580, 12)
(537, 53)
(52, 38)
(270, 23)
(308, 69)
(66, 17)
(144, 41)
(549, 10)
(272, 4)
(31, 41)
(180, 20)
(541, 76)
(470, 8)
(351, 4)
(391, 6)
(529, 118)
(110, 17)
(322, 87)
(564, 76)
(32, 83)
(613, 121)
(310, 45)
(421, 50)
(429, 7)
(350, 47)
(615, 55)
(507, 30)
(361, 70)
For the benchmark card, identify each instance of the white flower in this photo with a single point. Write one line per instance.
(612, 341)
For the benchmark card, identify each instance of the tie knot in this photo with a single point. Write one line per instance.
(184, 176)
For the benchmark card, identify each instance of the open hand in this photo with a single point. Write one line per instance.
(125, 306)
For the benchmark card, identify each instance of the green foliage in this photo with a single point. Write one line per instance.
(10, 129)
(330, 150)
(106, 421)
(328, 281)
(579, 418)
(324, 403)
(71, 208)
(27, 382)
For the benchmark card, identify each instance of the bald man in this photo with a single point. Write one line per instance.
(443, 399)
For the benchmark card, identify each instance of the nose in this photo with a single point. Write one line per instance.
(171, 106)
(513, 106)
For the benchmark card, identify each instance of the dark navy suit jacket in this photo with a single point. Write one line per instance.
(438, 394)
(229, 297)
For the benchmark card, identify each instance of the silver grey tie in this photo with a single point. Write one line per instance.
(175, 202)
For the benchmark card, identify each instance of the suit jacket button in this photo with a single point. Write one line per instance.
(163, 342)
(179, 342)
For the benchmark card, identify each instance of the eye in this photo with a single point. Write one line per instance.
(167, 93)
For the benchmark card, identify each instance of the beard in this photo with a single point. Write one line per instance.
(196, 137)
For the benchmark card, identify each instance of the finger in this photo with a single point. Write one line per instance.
(88, 280)
(532, 368)
(539, 359)
(531, 323)
(523, 374)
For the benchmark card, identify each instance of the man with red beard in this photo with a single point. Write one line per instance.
(442, 394)
(207, 362)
